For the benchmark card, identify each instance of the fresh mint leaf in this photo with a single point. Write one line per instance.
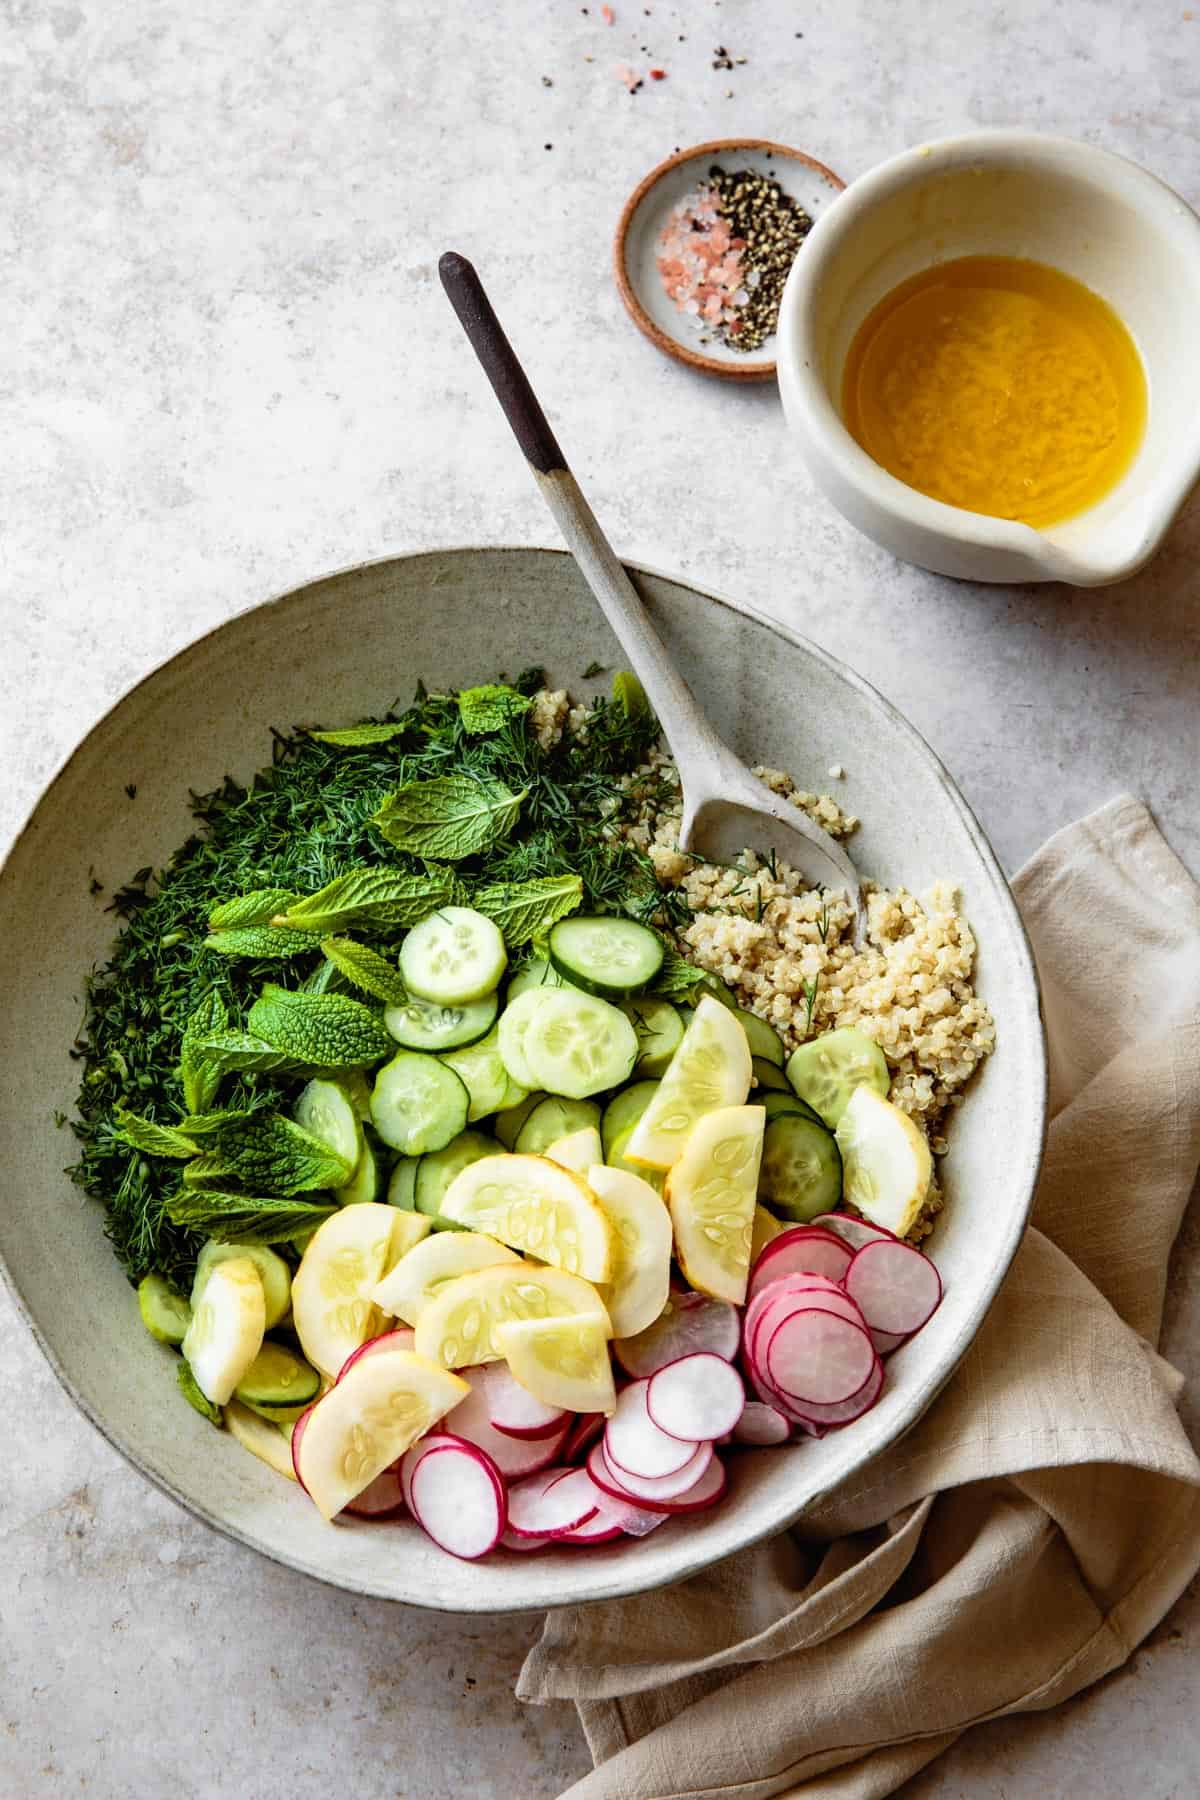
(256, 908)
(242, 1053)
(323, 1031)
(198, 1071)
(487, 708)
(191, 1390)
(247, 1218)
(152, 1139)
(678, 979)
(523, 909)
(202, 1125)
(354, 737)
(267, 1153)
(629, 696)
(373, 973)
(381, 899)
(263, 941)
(449, 817)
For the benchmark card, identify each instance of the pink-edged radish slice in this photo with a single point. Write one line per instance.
(582, 1435)
(551, 1504)
(647, 1491)
(700, 1396)
(761, 1423)
(381, 1407)
(627, 1516)
(778, 1299)
(513, 1410)
(689, 1323)
(819, 1419)
(458, 1499)
(599, 1529)
(783, 1309)
(887, 1341)
(819, 1356)
(511, 1541)
(514, 1457)
(635, 1445)
(706, 1492)
(401, 1339)
(895, 1286)
(854, 1231)
(298, 1430)
(802, 1250)
(436, 1440)
(384, 1499)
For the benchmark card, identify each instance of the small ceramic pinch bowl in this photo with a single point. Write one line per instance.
(1095, 216)
(635, 251)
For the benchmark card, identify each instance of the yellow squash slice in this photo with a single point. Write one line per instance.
(425, 1270)
(578, 1150)
(332, 1307)
(710, 1069)
(711, 1193)
(641, 1278)
(886, 1164)
(562, 1362)
(457, 1327)
(226, 1330)
(374, 1413)
(534, 1205)
(765, 1227)
(260, 1438)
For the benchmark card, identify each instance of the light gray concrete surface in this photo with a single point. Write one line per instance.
(227, 367)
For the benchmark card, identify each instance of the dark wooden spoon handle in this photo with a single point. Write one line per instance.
(521, 406)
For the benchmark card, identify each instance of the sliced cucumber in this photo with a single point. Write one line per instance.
(402, 1187)
(659, 1029)
(770, 1079)
(624, 1110)
(365, 1183)
(577, 1045)
(358, 1086)
(510, 1119)
(189, 1387)
(278, 1377)
(165, 1314)
(418, 1104)
(826, 1071)
(515, 1021)
(427, 1025)
(273, 1272)
(327, 1111)
(481, 1070)
(613, 957)
(616, 1159)
(551, 1119)
(801, 1172)
(436, 1171)
(514, 1095)
(226, 1331)
(776, 1101)
(537, 973)
(454, 956)
(762, 1040)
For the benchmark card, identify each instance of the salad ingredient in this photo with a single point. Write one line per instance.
(277, 1377)
(427, 1025)
(531, 1203)
(331, 1293)
(198, 1401)
(165, 1314)
(659, 1027)
(579, 1150)
(800, 1249)
(613, 957)
(380, 1406)
(421, 1274)
(761, 1424)
(635, 1445)
(481, 1070)
(563, 1362)
(552, 1119)
(366, 1183)
(640, 1276)
(725, 252)
(260, 1438)
(624, 1110)
(896, 1289)
(711, 1193)
(457, 1496)
(710, 1069)
(326, 1111)
(700, 1396)
(577, 1045)
(648, 1490)
(436, 1170)
(826, 1071)
(513, 1410)
(364, 968)
(273, 1272)
(456, 1327)
(326, 1031)
(264, 1150)
(454, 956)
(366, 899)
(886, 1161)
(418, 1103)
(226, 1329)
(449, 817)
(383, 1499)
(813, 1355)
(764, 1229)
(513, 1456)
(525, 909)
(551, 1504)
(801, 1171)
(766, 1046)
(689, 1322)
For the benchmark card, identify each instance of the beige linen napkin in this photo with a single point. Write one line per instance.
(1045, 1512)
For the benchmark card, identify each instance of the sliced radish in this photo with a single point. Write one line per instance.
(690, 1323)
(854, 1231)
(381, 1406)
(599, 1529)
(550, 1504)
(779, 1298)
(627, 1515)
(390, 1340)
(407, 1466)
(582, 1435)
(635, 1445)
(887, 1341)
(700, 1396)
(514, 1457)
(384, 1499)
(298, 1430)
(513, 1410)
(894, 1285)
(761, 1423)
(819, 1419)
(803, 1250)
(706, 1492)
(509, 1540)
(457, 1497)
(645, 1491)
(819, 1356)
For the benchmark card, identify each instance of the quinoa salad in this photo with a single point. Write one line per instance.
(486, 1163)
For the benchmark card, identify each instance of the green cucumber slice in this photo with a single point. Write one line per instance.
(624, 1110)
(613, 957)
(327, 1111)
(770, 1079)
(428, 1025)
(511, 1118)
(826, 1071)
(165, 1314)
(551, 1119)
(800, 1176)
(776, 1101)
(403, 1185)
(481, 1070)
(418, 1104)
(616, 1159)
(366, 1181)
(278, 1377)
(273, 1272)
(454, 956)
(577, 1045)
(660, 1032)
(762, 1040)
(537, 973)
(189, 1387)
(436, 1171)
(515, 1021)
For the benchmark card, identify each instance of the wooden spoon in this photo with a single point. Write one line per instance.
(725, 808)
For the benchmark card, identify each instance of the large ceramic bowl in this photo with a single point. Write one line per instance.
(334, 651)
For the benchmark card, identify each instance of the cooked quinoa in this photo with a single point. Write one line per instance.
(787, 952)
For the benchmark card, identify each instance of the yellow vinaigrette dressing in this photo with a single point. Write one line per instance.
(998, 385)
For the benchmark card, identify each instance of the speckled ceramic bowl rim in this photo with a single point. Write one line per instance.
(688, 1563)
(707, 365)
